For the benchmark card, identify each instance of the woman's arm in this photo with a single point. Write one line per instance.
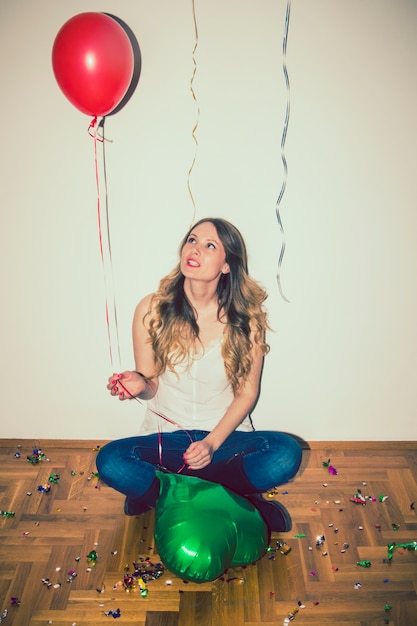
(200, 453)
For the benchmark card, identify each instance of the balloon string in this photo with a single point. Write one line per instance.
(197, 117)
(116, 325)
(284, 160)
(162, 416)
(93, 132)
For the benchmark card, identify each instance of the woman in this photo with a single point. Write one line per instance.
(199, 344)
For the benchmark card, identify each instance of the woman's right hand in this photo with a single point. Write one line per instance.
(126, 385)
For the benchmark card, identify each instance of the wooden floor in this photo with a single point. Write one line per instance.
(46, 577)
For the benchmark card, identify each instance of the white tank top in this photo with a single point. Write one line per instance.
(193, 398)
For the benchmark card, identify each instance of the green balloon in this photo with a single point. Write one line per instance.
(202, 528)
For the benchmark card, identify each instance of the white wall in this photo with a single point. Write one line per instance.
(342, 364)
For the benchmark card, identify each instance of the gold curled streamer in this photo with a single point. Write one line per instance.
(198, 114)
(284, 160)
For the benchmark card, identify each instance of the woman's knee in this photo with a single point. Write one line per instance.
(109, 460)
(287, 452)
(292, 451)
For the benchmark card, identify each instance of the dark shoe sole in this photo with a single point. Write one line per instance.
(134, 506)
(274, 513)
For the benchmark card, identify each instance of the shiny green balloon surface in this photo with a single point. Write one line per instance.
(202, 528)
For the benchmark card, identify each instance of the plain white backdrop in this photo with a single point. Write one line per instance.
(342, 364)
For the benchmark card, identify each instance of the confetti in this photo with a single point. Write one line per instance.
(71, 576)
(92, 557)
(358, 499)
(36, 457)
(391, 547)
(128, 582)
(44, 488)
(364, 563)
(284, 548)
(237, 579)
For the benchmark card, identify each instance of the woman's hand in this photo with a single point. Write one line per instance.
(126, 385)
(198, 455)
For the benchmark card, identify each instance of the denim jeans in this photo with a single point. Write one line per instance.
(266, 459)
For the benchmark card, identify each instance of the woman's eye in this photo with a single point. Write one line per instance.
(191, 239)
(211, 245)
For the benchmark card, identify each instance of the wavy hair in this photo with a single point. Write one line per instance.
(173, 327)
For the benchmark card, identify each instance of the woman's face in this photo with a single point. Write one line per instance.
(203, 256)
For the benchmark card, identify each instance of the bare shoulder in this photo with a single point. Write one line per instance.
(144, 306)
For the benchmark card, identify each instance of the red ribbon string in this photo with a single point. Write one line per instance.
(106, 257)
(162, 416)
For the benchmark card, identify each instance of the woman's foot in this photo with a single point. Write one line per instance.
(145, 502)
(136, 506)
(274, 513)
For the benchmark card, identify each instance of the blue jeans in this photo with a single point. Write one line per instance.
(247, 462)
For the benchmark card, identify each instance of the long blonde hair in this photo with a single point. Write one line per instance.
(172, 323)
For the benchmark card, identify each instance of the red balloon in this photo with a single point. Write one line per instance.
(93, 62)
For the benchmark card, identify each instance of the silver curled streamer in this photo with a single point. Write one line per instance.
(283, 138)
(197, 116)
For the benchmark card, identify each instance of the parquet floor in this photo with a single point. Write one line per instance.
(46, 577)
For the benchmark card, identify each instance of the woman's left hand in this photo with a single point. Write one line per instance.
(198, 455)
